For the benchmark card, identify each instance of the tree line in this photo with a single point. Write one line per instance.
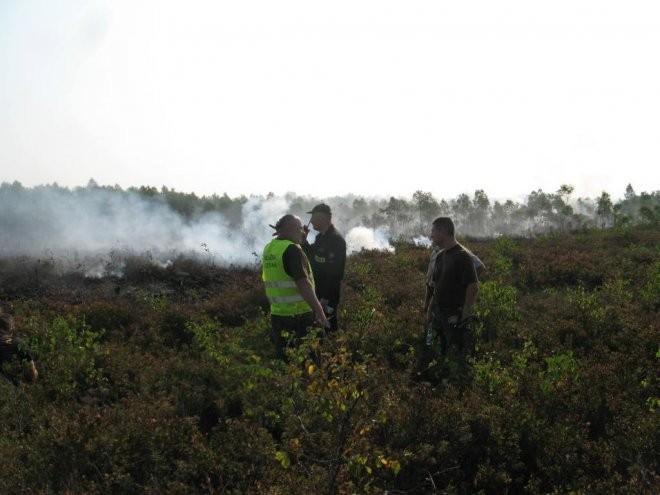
(476, 215)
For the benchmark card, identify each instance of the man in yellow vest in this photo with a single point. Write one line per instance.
(289, 285)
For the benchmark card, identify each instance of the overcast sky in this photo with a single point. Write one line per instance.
(373, 97)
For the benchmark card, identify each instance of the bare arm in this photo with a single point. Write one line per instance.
(307, 292)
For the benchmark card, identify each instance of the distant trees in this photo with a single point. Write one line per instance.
(503, 216)
(397, 214)
(480, 212)
(360, 207)
(563, 211)
(539, 208)
(461, 209)
(428, 208)
(474, 215)
(637, 209)
(477, 216)
(605, 210)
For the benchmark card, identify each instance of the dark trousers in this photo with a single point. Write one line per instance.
(452, 341)
(288, 331)
(442, 329)
(453, 338)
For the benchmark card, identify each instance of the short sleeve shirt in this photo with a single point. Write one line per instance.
(434, 255)
(295, 264)
(454, 271)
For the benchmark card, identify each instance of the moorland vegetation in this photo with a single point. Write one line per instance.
(161, 379)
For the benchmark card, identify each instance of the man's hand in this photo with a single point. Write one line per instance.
(320, 319)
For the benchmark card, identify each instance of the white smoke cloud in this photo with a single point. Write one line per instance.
(102, 268)
(422, 240)
(365, 238)
(60, 224)
(95, 229)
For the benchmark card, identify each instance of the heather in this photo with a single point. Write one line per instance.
(161, 379)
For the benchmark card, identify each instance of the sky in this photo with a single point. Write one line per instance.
(376, 97)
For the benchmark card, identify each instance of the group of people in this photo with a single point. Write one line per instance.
(303, 281)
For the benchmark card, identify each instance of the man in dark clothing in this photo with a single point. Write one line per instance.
(327, 256)
(12, 352)
(455, 287)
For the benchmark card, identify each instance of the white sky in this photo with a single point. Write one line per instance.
(370, 97)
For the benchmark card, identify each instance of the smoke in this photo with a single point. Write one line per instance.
(422, 240)
(90, 222)
(97, 227)
(364, 238)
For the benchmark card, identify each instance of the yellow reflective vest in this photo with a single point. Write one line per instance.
(282, 292)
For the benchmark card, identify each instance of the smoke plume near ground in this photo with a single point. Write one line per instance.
(108, 224)
(103, 224)
(365, 238)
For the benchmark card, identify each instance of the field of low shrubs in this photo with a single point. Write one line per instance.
(162, 379)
